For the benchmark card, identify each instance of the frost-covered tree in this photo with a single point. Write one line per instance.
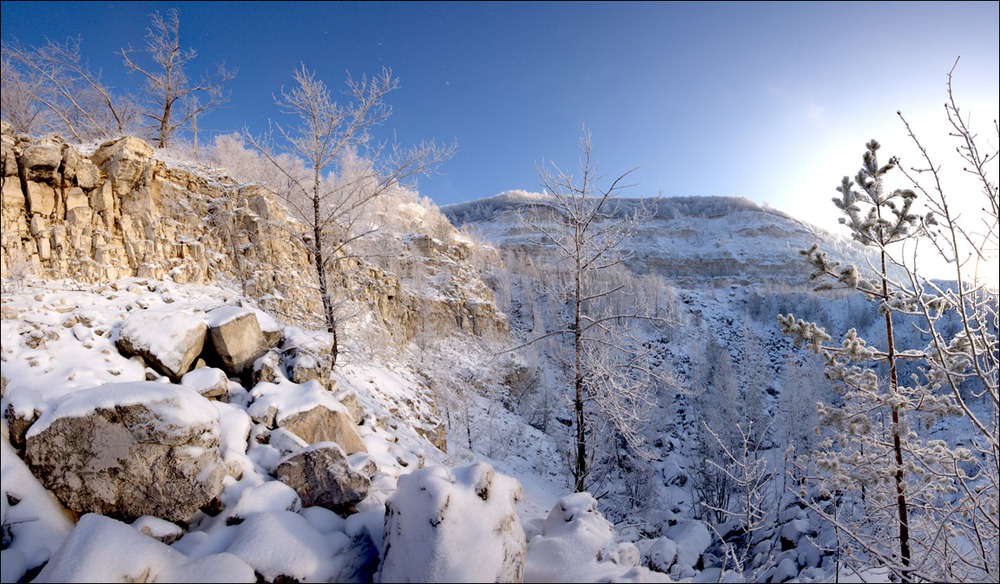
(922, 507)
(611, 379)
(171, 99)
(52, 88)
(332, 168)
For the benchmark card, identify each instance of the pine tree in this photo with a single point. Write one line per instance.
(884, 479)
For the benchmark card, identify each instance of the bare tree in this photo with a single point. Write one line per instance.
(612, 380)
(747, 472)
(18, 104)
(56, 79)
(336, 183)
(172, 100)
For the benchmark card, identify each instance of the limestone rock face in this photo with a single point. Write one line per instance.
(434, 511)
(125, 161)
(129, 450)
(323, 476)
(122, 213)
(168, 340)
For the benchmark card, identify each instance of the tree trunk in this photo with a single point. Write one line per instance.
(904, 523)
(319, 257)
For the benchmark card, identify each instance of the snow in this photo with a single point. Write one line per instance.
(63, 370)
(36, 521)
(452, 526)
(101, 549)
(160, 332)
(572, 547)
(175, 405)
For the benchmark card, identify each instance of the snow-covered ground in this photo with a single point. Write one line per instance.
(58, 342)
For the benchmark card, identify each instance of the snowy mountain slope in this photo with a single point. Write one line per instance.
(689, 241)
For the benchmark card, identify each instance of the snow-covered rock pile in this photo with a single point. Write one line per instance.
(125, 430)
(120, 471)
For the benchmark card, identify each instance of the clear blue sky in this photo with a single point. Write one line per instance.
(772, 101)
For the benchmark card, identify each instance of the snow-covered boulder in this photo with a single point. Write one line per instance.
(693, 538)
(323, 476)
(308, 356)
(128, 450)
(236, 338)
(308, 410)
(208, 381)
(169, 340)
(453, 526)
(577, 545)
(284, 547)
(101, 549)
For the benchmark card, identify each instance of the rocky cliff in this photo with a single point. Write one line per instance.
(121, 212)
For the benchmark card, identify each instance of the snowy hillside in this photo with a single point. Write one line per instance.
(690, 241)
(171, 410)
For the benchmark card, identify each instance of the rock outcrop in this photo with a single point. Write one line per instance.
(121, 212)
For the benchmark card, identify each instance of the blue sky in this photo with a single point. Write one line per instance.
(772, 101)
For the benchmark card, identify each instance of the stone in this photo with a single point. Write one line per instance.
(435, 510)
(236, 338)
(207, 381)
(267, 368)
(41, 161)
(128, 450)
(322, 476)
(13, 198)
(168, 340)
(125, 161)
(322, 424)
(75, 197)
(41, 198)
(87, 174)
(308, 356)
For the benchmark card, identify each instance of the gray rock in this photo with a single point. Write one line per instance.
(322, 476)
(236, 338)
(129, 450)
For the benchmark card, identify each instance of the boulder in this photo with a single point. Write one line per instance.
(125, 161)
(322, 424)
(577, 543)
(168, 340)
(267, 369)
(308, 356)
(435, 511)
(322, 476)
(41, 161)
(235, 338)
(128, 450)
(207, 381)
